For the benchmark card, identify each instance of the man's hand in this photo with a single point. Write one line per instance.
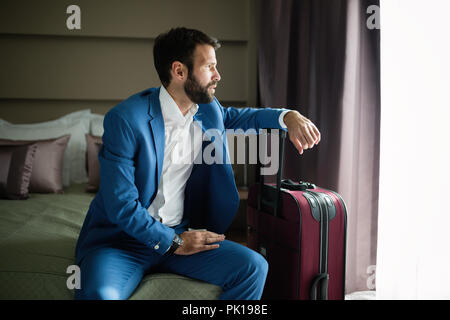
(198, 241)
(302, 132)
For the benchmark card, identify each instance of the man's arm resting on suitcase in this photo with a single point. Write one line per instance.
(302, 132)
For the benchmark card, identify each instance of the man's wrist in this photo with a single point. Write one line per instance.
(281, 119)
(176, 243)
(290, 115)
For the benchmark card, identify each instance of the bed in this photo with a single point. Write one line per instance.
(37, 245)
(46, 171)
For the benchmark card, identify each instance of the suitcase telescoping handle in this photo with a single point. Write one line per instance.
(266, 196)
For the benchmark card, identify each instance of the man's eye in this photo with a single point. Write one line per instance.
(210, 67)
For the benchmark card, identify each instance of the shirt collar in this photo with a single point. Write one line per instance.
(171, 112)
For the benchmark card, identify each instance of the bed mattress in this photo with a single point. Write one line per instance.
(37, 245)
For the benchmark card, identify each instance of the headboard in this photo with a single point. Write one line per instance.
(31, 111)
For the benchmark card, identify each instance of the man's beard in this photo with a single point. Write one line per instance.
(196, 92)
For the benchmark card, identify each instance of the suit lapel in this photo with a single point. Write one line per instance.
(211, 128)
(157, 128)
(204, 120)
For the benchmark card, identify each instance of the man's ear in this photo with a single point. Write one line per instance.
(179, 70)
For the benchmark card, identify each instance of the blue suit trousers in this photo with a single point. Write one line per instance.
(112, 273)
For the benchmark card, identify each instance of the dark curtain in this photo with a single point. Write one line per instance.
(319, 57)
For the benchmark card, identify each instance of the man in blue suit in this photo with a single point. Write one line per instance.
(153, 190)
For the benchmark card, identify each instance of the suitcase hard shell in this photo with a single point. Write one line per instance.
(301, 231)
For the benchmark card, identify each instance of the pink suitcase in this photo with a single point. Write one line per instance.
(301, 230)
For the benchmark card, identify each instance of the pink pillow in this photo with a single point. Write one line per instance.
(93, 147)
(16, 168)
(46, 175)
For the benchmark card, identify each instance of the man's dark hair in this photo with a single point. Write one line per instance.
(178, 45)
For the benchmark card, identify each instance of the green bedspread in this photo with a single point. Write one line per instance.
(37, 244)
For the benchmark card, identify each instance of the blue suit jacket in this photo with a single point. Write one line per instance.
(131, 160)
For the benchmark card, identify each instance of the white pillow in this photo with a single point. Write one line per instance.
(76, 124)
(97, 124)
(73, 117)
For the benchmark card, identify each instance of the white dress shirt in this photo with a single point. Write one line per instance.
(179, 151)
(182, 144)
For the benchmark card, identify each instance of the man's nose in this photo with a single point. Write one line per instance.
(216, 76)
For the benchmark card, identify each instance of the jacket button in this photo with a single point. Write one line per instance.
(156, 247)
